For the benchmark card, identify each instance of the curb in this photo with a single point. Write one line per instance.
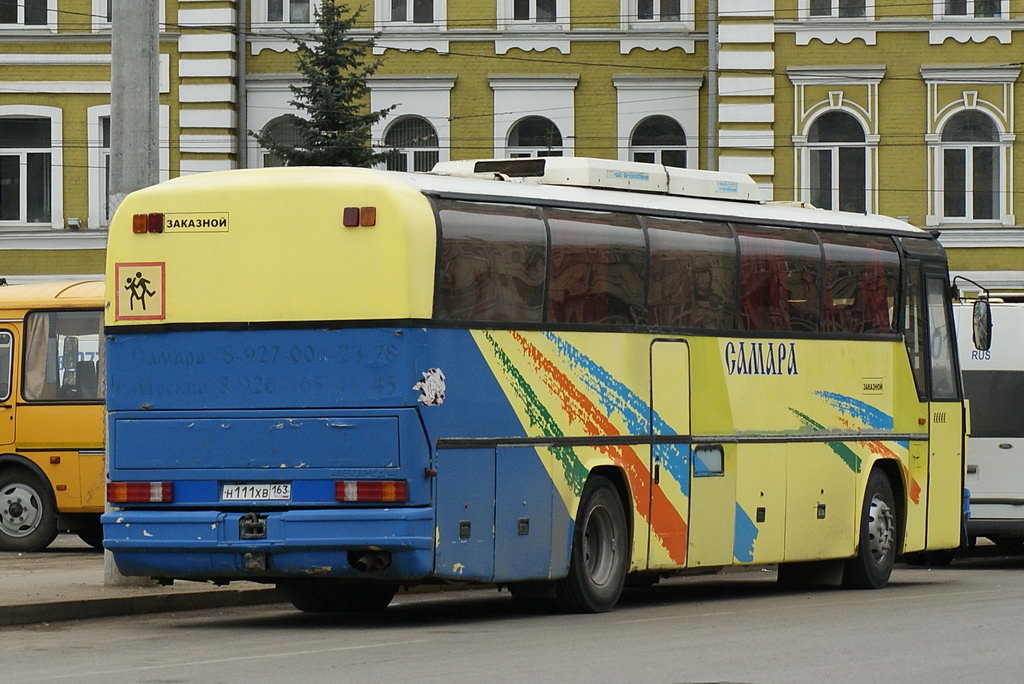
(54, 611)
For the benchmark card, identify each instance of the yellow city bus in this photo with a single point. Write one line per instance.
(51, 413)
(555, 375)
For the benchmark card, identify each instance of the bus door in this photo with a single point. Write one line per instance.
(666, 534)
(946, 420)
(7, 399)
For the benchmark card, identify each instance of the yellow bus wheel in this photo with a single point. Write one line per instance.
(28, 513)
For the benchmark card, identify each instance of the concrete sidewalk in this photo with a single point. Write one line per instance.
(65, 582)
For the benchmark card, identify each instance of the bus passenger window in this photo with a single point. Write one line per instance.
(780, 276)
(597, 268)
(693, 274)
(63, 356)
(493, 260)
(861, 276)
(6, 350)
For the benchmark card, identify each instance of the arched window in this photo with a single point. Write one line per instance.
(284, 131)
(836, 164)
(970, 167)
(534, 136)
(658, 139)
(414, 142)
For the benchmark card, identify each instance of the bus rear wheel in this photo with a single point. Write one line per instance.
(28, 513)
(878, 537)
(330, 596)
(600, 551)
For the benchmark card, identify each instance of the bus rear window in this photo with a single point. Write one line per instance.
(693, 274)
(63, 360)
(597, 268)
(492, 263)
(861, 279)
(997, 402)
(780, 276)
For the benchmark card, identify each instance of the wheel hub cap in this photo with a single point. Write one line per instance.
(20, 511)
(880, 529)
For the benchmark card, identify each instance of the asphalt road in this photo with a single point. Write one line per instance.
(962, 623)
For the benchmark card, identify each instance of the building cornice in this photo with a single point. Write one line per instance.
(985, 238)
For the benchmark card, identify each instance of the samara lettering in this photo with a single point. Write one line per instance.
(761, 358)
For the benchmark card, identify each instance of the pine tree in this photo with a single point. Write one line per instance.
(336, 130)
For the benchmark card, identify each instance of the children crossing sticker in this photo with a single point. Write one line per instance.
(140, 291)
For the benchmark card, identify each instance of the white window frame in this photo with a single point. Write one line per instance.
(1003, 145)
(56, 117)
(51, 19)
(525, 151)
(261, 8)
(551, 96)
(939, 12)
(638, 97)
(410, 152)
(506, 12)
(97, 186)
(833, 147)
(657, 150)
(425, 96)
(383, 20)
(804, 12)
(99, 14)
(630, 10)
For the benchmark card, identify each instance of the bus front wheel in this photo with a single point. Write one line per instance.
(28, 513)
(878, 537)
(600, 551)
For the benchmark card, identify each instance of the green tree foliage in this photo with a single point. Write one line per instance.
(336, 128)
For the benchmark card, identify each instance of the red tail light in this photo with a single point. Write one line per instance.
(148, 223)
(371, 491)
(140, 492)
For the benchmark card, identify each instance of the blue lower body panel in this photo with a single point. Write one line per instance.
(199, 545)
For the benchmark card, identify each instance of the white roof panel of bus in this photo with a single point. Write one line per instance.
(740, 211)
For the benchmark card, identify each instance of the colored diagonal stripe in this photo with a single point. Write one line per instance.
(540, 418)
(664, 519)
(844, 452)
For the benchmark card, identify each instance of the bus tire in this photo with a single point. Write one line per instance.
(600, 551)
(28, 511)
(878, 534)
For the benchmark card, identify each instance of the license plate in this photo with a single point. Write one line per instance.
(240, 491)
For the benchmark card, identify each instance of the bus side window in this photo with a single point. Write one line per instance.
(62, 349)
(914, 330)
(6, 352)
(597, 268)
(861, 276)
(940, 339)
(780, 276)
(693, 274)
(493, 261)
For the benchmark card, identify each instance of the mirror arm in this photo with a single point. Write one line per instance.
(983, 292)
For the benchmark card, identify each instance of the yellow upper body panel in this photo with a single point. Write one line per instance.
(270, 245)
(56, 295)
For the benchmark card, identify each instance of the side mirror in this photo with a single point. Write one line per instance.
(982, 318)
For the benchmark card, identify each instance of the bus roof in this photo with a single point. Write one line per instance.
(756, 212)
(53, 295)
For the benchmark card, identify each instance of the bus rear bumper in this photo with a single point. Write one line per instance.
(202, 545)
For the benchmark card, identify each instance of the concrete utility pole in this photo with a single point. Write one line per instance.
(134, 98)
(134, 130)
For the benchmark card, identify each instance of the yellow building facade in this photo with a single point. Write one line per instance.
(895, 108)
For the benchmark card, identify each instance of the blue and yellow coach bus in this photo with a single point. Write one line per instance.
(554, 375)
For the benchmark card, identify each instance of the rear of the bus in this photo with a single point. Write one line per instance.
(261, 418)
(994, 385)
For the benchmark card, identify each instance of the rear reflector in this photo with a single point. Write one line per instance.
(148, 223)
(371, 491)
(140, 492)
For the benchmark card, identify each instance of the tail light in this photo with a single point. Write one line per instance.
(148, 223)
(140, 492)
(371, 491)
